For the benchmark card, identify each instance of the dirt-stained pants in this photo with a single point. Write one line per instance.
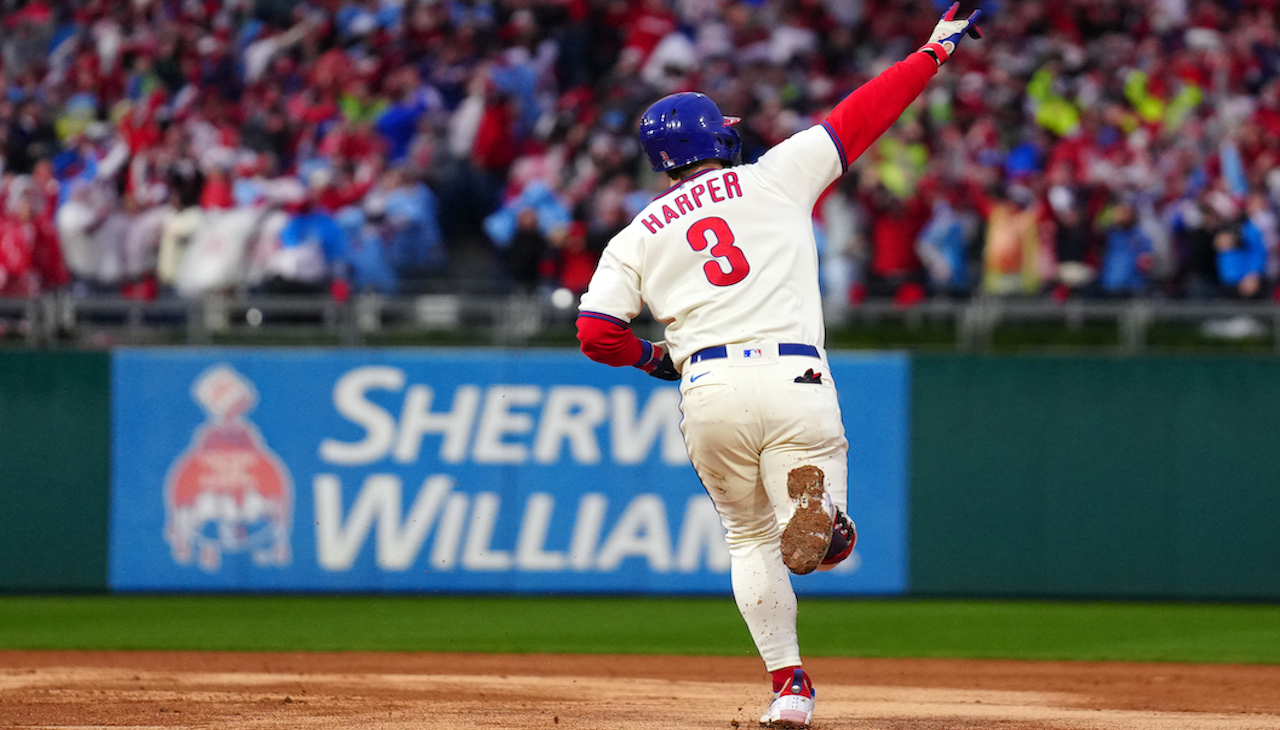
(747, 424)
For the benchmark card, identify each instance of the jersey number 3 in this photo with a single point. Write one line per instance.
(723, 248)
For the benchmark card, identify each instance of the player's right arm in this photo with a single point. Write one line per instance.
(861, 117)
(803, 166)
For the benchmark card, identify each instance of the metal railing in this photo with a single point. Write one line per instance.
(976, 325)
(108, 320)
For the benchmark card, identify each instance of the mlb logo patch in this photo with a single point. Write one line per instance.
(753, 352)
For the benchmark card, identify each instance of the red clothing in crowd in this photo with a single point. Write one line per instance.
(354, 143)
(46, 258)
(17, 244)
(647, 25)
(575, 268)
(1267, 117)
(139, 128)
(336, 197)
(495, 147)
(893, 237)
(217, 193)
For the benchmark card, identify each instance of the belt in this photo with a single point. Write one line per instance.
(784, 348)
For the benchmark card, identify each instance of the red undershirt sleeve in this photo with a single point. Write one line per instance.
(861, 117)
(610, 340)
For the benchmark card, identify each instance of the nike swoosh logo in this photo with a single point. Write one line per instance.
(695, 377)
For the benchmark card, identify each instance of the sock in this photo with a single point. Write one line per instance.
(784, 675)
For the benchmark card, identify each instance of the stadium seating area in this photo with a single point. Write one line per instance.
(178, 148)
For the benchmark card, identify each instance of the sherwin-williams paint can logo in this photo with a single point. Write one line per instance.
(228, 492)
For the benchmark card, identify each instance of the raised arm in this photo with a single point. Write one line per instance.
(861, 117)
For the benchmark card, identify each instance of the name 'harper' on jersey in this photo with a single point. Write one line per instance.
(692, 200)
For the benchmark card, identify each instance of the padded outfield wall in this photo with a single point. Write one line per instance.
(54, 470)
(536, 471)
(1111, 477)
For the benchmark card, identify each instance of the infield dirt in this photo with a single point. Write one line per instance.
(387, 690)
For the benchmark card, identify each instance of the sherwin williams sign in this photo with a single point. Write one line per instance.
(455, 470)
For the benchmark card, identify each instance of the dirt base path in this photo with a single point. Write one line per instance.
(350, 691)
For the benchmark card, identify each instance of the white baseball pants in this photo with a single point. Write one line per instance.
(747, 424)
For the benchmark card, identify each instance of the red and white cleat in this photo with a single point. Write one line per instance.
(844, 535)
(793, 706)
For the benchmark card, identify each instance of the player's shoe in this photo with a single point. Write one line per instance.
(844, 535)
(793, 706)
(807, 537)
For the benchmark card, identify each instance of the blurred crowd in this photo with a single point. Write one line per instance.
(1084, 148)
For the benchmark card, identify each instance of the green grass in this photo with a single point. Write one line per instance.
(707, 626)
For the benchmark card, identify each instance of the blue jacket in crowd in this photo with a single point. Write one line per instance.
(1249, 257)
(1120, 272)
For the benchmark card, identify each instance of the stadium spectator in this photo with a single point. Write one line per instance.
(943, 249)
(1011, 254)
(176, 234)
(29, 138)
(528, 251)
(895, 269)
(406, 229)
(18, 275)
(368, 256)
(311, 252)
(1072, 244)
(78, 219)
(1199, 224)
(1128, 254)
(574, 261)
(1242, 256)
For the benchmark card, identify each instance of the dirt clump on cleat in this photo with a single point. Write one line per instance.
(808, 535)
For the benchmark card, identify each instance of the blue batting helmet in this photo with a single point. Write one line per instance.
(685, 128)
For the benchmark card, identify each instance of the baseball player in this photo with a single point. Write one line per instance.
(726, 259)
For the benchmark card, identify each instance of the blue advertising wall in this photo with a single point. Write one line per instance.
(465, 470)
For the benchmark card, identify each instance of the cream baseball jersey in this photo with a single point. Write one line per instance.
(727, 255)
